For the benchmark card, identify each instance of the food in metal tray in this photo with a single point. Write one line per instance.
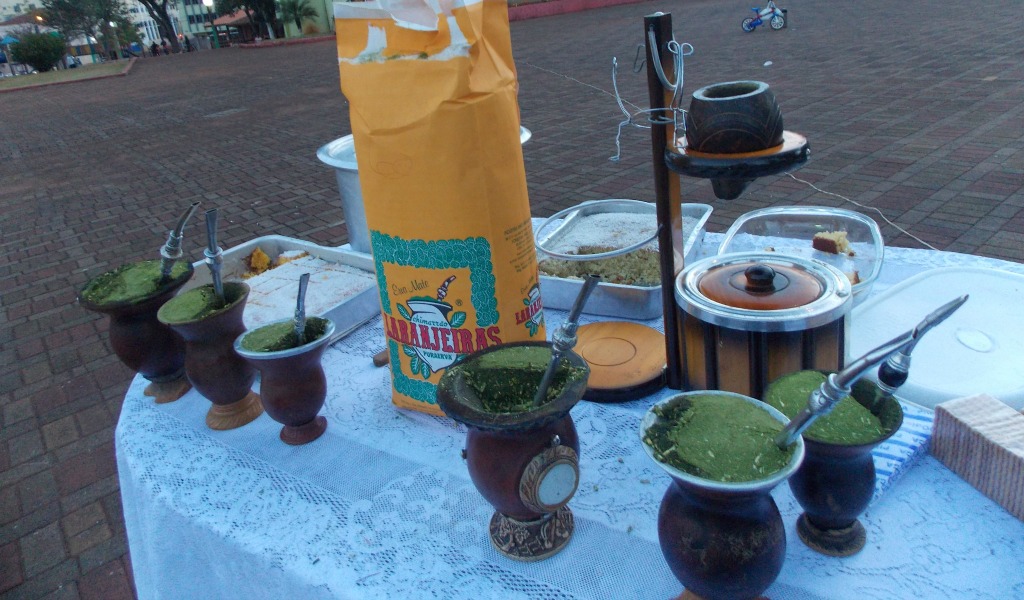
(259, 261)
(639, 268)
(605, 232)
(273, 292)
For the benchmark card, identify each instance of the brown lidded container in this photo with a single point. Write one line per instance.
(749, 318)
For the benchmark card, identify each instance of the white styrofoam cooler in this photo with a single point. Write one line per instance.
(979, 349)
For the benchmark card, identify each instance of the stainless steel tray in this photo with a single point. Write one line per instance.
(347, 314)
(612, 299)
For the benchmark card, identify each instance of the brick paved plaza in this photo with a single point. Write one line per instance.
(917, 114)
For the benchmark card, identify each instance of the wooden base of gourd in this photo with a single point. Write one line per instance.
(234, 415)
(832, 542)
(164, 392)
(688, 595)
(304, 434)
(530, 541)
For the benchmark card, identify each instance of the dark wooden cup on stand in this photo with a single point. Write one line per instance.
(140, 340)
(211, 363)
(525, 464)
(837, 481)
(293, 385)
(722, 540)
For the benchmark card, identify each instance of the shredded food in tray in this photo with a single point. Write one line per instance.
(604, 232)
(640, 268)
(273, 293)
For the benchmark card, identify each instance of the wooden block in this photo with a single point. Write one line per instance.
(982, 440)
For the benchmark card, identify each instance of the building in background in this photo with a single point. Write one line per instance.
(147, 26)
(188, 17)
(13, 8)
(148, 29)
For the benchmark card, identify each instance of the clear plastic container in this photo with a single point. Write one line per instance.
(790, 230)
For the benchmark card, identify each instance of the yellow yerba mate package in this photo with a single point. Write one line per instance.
(432, 94)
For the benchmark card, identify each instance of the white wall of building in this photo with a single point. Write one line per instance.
(13, 8)
(147, 27)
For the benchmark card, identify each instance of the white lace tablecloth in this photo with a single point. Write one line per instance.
(382, 506)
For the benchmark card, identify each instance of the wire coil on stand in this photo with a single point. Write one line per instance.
(660, 116)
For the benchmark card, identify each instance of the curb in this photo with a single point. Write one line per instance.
(285, 42)
(521, 12)
(551, 8)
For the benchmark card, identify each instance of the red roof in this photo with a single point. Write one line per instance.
(236, 18)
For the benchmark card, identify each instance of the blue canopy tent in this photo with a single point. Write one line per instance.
(5, 50)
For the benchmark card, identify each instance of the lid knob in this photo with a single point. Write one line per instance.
(760, 279)
(751, 281)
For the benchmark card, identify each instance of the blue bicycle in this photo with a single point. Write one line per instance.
(776, 19)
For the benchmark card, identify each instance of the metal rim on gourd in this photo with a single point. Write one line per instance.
(766, 483)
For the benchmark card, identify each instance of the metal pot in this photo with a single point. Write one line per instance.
(749, 318)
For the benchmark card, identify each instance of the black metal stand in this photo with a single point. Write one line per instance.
(729, 173)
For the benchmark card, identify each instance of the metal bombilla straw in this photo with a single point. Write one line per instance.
(564, 338)
(894, 371)
(171, 251)
(838, 385)
(300, 310)
(214, 255)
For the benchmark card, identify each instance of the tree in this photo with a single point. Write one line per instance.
(87, 17)
(157, 10)
(71, 18)
(266, 13)
(41, 51)
(297, 10)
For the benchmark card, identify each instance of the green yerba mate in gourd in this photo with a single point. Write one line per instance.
(720, 438)
(506, 380)
(281, 336)
(849, 423)
(130, 282)
(192, 305)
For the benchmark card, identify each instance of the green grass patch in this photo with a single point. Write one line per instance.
(78, 74)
